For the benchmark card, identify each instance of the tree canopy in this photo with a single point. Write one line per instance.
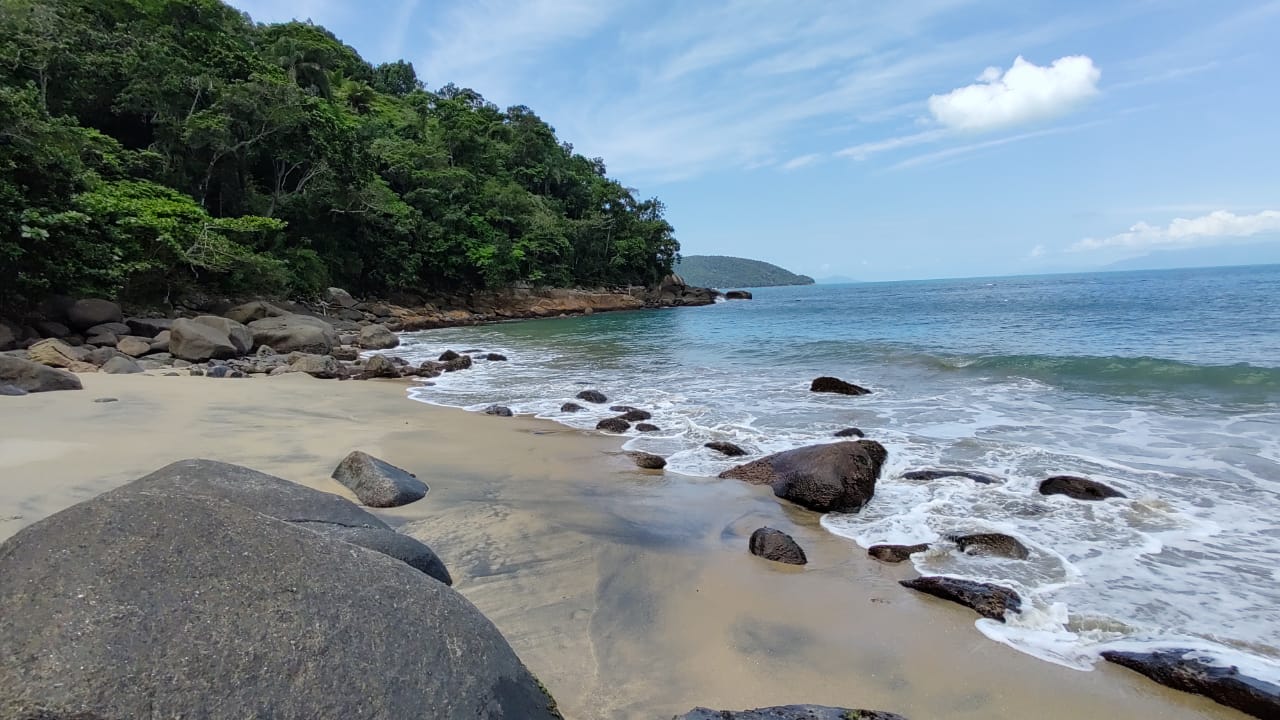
(149, 146)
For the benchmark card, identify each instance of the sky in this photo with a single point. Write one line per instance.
(883, 139)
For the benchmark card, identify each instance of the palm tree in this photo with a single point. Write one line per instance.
(302, 66)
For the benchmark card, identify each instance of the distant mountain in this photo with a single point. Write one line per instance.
(1258, 253)
(722, 271)
(837, 280)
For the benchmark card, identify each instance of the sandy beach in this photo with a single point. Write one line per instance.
(629, 593)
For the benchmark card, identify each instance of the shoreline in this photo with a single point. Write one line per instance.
(629, 593)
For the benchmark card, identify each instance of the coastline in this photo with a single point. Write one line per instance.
(629, 593)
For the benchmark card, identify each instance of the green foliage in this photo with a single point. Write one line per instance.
(148, 145)
(720, 271)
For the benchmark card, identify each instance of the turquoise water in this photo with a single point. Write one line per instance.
(1164, 384)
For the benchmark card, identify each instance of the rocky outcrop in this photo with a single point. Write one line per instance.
(895, 553)
(294, 333)
(33, 377)
(648, 461)
(930, 475)
(777, 546)
(789, 712)
(613, 425)
(837, 477)
(828, 384)
(377, 337)
(197, 342)
(84, 314)
(1078, 488)
(160, 598)
(1182, 670)
(592, 396)
(378, 483)
(727, 449)
(991, 544)
(988, 600)
(737, 295)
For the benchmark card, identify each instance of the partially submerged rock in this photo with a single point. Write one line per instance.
(726, 448)
(647, 427)
(836, 477)
(1181, 670)
(850, 432)
(648, 461)
(930, 475)
(827, 384)
(498, 410)
(737, 295)
(495, 357)
(33, 377)
(895, 553)
(571, 408)
(1078, 488)
(160, 598)
(776, 545)
(789, 712)
(448, 355)
(613, 425)
(988, 600)
(592, 396)
(995, 544)
(634, 415)
(378, 483)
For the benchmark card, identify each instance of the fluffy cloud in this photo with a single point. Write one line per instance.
(802, 161)
(1211, 229)
(1023, 93)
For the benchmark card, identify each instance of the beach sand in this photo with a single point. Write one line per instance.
(629, 593)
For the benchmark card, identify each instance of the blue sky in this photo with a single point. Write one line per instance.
(887, 139)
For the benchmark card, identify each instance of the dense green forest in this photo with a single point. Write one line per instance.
(149, 146)
(723, 271)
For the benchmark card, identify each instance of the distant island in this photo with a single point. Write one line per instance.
(722, 271)
(837, 280)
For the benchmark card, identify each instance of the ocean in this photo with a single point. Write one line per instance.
(1162, 384)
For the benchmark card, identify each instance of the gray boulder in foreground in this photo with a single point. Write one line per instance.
(294, 333)
(789, 712)
(777, 546)
(166, 598)
(33, 377)
(1180, 670)
(378, 483)
(836, 477)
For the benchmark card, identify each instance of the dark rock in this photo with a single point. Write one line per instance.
(459, 363)
(339, 297)
(148, 327)
(496, 357)
(102, 355)
(10, 335)
(111, 328)
(613, 425)
(778, 546)
(648, 461)
(995, 544)
(52, 329)
(448, 355)
(106, 400)
(1078, 488)
(121, 365)
(621, 408)
(294, 333)
(378, 366)
(499, 410)
(102, 340)
(789, 712)
(646, 427)
(726, 448)
(838, 477)
(636, 415)
(154, 601)
(8, 390)
(390, 543)
(196, 371)
(344, 352)
(377, 337)
(571, 408)
(196, 342)
(838, 386)
(220, 371)
(240, 335)
(737, 295)
(850, 432)
(990, 601)
(592, 396)
(33, 377)
(895, 553)
(84, 314)
(1181, 670)
(929, 475)
(378, 483)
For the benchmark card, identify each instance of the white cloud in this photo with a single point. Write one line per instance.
(1037, 251)
(1024, 93)
(1212, 229)
(865, 150)
(959, 150)
(802, 161)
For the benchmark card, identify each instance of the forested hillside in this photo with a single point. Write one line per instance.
(147, 146)
(722, 271)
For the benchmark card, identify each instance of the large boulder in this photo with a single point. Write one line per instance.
(338, 296)
(777, 546)
(737, 295)
(789, 712)
(155, 601)
(197, 342)
(837, 477)
(836, 385)
(378, 366)
(1183, 670)
(33, 377)
(148, 327)
(47, 329)
(613, 425)
(377, 337)
(134, 346)
(1078, 488)
(121, 365)
(290, 333)
(988, 600)
(239, 335)
(325, 367)
(56, 353)
(991, 544)
(648, 461)
(895, 553)
(9, 336)
(84, 314)
(727, 449)
(634, 415)
(256, 310)
(378, 483)
(592, 396)
(930, 475)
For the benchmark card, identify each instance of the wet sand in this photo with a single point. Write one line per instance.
(629, 593)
